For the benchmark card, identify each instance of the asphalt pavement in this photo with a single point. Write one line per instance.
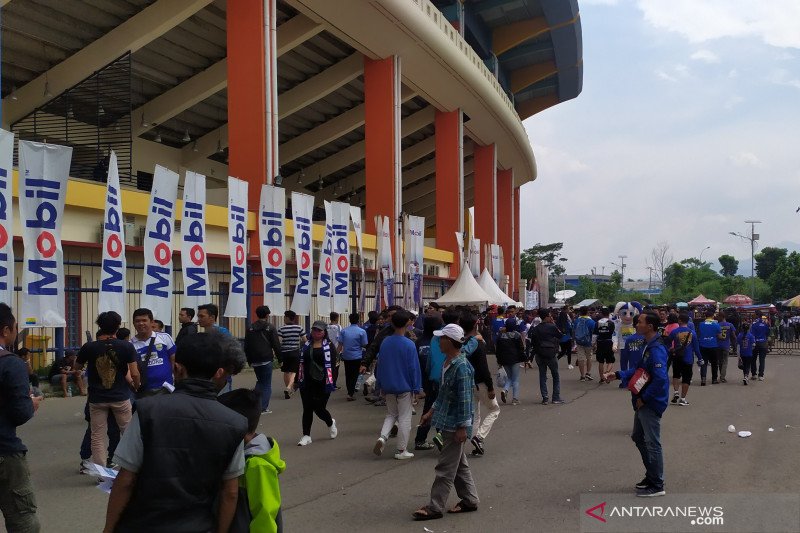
(539, 459)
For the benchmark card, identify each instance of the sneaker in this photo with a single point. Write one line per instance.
(723, 380)
(583, 378)
(753, 377)
(545, 401)
(760, 378)
(651, 492)
(571, 367)
(643, 484)
(379, 444)
(589, 377)
(402, 456)
(503, 395)
(438, 441)
(675, 397)
(557, 402)
(477, 442)
(287, 394)
(683, 402)
(424, 446)
(86, 467)
(304, 441)
(744, 381)
(334, 429)
(714, 382)
(266, 412)
(514, 402)
(112, 465)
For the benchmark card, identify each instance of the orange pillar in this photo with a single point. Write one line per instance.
(517, 266)
(449, 182)
(505, 218)
(382, 142)
(485, 170)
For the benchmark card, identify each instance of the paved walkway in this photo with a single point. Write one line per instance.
(539, 458)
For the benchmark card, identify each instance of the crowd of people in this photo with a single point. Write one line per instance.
(143, 385)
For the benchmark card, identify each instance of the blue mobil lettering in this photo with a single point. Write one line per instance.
(192, 232)
(3, 233)
(324, 288)
(340, 248)
(112, 264)
(160, 274)
(273, 242)
(44, 219)
(303, 235)
(237, 220)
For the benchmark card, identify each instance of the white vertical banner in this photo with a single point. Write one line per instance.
(43, 173)
(271, 235)
(157, 277)
(341, 256)
(385, 258)
(501, 269)
(237, 245)
(112, 272)
(495, 259)
(196, 288)
(355, 218)
(379, 292)
(460, 244)
(324, 293)
(475, 258)
(415, 249)
(302, 209)
(6, 218)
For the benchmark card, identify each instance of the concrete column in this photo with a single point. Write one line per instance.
(449, 182)
(485, 170)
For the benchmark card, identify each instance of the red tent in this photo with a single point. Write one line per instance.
(702, 300)
(738, 299)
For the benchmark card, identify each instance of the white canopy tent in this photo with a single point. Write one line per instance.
(465, 291)
(496, 294)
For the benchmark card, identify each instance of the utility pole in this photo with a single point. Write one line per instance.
(753, 237)
(622, 266)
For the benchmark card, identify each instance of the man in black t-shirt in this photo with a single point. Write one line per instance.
(604, 335)
(112, 375)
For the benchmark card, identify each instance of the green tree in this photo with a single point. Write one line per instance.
(767, 261)
(729, 265)
(785, 280)
(586, 289)
(550, 254)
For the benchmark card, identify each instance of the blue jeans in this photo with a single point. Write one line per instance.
(512, 371)
(264, 383)
(647, 436)
(552, 364)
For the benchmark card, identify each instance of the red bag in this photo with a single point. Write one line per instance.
(638, 380)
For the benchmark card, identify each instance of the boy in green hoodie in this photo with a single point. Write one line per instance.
(258, 486)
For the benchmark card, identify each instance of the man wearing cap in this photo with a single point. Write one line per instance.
(451, 415)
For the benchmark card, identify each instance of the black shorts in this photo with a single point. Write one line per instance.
(290, 362)
(605, 353)
(681, 370)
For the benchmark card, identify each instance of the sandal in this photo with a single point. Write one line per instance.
(426, 513)
(463, 507)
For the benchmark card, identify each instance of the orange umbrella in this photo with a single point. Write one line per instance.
(738, 299)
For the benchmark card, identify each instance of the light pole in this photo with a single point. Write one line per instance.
(622, 266)
(701, 254)
(752, 238)
(650, 280)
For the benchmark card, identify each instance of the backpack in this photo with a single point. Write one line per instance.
(582, 334)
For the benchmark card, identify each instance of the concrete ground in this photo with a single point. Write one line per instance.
(539, 459)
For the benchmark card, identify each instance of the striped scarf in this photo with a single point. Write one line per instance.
(330, 386)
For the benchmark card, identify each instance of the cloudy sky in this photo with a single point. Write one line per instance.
(687, 126)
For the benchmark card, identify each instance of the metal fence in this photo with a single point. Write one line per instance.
(785, 340)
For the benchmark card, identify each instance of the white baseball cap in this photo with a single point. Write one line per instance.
(453, 331)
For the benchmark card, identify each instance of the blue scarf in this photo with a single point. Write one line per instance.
(330, 386)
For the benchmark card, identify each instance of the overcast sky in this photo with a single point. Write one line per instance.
(688, 124)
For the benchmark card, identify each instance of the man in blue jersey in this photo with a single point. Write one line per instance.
(727, 338)
(760, 331)
(649, 404)
(682, 342)
(156, 351)
(708, 332)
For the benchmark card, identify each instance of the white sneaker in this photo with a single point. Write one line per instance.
(334, 429)
(86, 467)
(760, 378)
(305, 441)
(571, 367)
(379, 444)
(402, 456)
(682, 402)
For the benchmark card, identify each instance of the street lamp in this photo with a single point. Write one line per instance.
(701, 254)
(752, 238)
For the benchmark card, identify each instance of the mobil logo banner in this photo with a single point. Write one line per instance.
(6, 219)
(340, 244)
(112, 272)
(237, 238)
(475, 258)
(196, 290)
(496, 269)
(157, 278)
(415, 249)
(271, 236)
(43, 170)
(355, 218)
(325, 267)
(302, 208)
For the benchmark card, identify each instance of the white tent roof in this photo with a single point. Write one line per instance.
(496, 294)
(465, 291)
